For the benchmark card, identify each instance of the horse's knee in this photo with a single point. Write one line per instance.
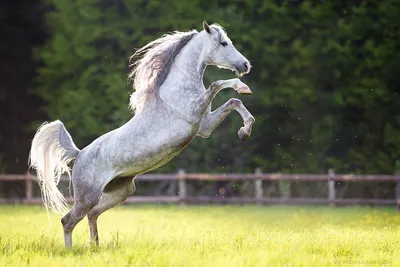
(235, 102)
(216, 84)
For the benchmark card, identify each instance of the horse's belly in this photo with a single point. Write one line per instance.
(147, 158)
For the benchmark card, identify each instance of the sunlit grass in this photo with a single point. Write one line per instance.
(206, 236)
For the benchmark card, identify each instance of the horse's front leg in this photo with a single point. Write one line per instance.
(211, 120)
(204, 101)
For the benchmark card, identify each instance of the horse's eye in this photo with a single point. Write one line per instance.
(224, 43)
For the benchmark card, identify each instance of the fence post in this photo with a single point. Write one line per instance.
(258, 187)
(182, 187)
(398, 190)
(331, 188)
(28, 188)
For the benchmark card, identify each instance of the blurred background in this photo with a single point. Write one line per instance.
(325, 80)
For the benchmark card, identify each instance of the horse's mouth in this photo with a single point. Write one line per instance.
(240, 73)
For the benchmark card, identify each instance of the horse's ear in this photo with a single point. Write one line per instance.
(206, 27)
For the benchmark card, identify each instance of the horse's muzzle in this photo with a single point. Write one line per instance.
(243, 68)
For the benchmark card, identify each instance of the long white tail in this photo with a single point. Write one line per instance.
(52, 149)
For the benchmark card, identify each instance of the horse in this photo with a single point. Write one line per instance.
(171, 106)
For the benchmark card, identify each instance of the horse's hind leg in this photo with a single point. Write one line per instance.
(79, 210)
(86, 197)
(114, 193)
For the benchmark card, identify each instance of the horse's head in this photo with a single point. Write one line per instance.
(221, 52)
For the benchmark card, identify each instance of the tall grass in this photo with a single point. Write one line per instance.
(206, 236)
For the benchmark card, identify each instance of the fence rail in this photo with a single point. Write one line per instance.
(257, 177)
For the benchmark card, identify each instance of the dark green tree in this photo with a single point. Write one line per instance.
(21, 30)
(324, 78)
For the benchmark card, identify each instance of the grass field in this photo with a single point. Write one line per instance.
(206, 236)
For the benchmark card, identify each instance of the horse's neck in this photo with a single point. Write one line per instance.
(185, 79)
(190, 60)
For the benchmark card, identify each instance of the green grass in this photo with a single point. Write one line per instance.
(206, 236)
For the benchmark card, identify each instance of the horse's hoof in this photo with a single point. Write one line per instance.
(243, 135)
(244, 90)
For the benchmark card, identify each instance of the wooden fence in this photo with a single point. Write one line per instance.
(257, 178)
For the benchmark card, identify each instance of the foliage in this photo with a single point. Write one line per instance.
(20, 31)
(324, 78)
(206, 236)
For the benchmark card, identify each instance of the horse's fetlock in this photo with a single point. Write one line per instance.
(238, 81)
(250, 120)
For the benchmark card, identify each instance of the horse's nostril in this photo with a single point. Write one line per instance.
(246, 66)
(243, 68)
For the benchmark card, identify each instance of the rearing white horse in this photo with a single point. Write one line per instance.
(171, 105)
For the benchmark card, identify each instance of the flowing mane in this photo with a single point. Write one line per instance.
(151, 65)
